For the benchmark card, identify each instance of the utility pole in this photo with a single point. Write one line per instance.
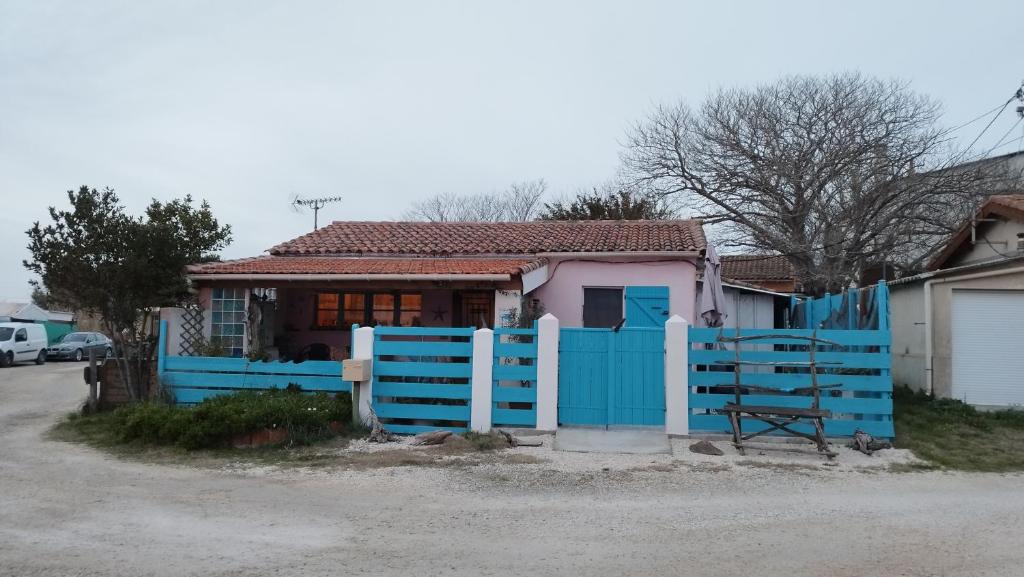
(316, 204)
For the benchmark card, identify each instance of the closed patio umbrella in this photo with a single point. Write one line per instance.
(712, 299)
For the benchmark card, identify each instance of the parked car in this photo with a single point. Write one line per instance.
(76, 346)
(21, 342)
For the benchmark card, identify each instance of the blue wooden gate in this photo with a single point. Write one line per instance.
(608, 377)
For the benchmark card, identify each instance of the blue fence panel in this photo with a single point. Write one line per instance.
(514, 392)
(192, 379)
(855, 370)
(421, 378)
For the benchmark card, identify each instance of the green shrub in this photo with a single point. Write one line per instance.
(217, 420)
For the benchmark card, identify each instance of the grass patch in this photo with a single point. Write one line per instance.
(215, 422)
(950, 434)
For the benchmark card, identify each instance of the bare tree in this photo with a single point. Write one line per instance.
(837, 173)
(519, 202)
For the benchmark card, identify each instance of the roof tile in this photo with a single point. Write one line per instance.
(368, 266)
(505, 238)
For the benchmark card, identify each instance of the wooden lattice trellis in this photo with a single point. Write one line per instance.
(191, 331)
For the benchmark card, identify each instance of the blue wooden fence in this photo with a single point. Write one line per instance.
(192, 379)
(859, 365)
(864, 308)
(515, 378)
(421, 378)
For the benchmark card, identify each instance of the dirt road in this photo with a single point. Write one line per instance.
(66, 509)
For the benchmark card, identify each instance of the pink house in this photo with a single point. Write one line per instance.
(303, 297)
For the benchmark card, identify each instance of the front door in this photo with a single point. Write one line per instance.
(608, 377)
(474, 309)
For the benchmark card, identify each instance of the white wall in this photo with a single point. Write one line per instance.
(505, 302)
(906, 318)
(994, 240)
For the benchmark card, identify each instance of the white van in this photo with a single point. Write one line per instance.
(22, 342)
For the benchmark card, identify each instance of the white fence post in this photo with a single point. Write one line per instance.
(482, 381)
(547, 373)
(677, 374)
(362, 348)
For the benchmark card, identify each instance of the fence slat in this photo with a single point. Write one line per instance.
(514, 417)
(430, 369)
(834, 404)
(786, 381)
(515, 350)
(424, 391)
(238, 381)
(514, 395)
(847, 360)
(422, 349)
(417, 429)
(833, 427)
(424, 412)
(423, 331)
(233, 365)
(515, 372)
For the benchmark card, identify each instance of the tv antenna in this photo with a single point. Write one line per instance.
(298, 203)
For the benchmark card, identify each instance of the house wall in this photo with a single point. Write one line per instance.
(562, 294)
(942, 340)
(994, 240)
(294, 318)
(906, 318)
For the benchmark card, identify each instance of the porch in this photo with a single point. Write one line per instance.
(313, 321)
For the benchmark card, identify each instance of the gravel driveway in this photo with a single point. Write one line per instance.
(66, 509)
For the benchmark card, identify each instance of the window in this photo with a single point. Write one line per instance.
(355, 309)
(228, 322)
(383, 310)
(367, 309)
(21, 336)
(1020, 241)
(410, 309)
(326, 311)
(602, 307)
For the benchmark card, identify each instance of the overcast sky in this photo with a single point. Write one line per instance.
(247, 103)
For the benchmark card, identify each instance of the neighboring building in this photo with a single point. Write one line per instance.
(22, 312)
(957, 328)
(589, 273)
(749, 307)
(57, 323)
(771, 272)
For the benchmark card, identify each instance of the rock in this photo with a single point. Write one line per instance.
(705, 448)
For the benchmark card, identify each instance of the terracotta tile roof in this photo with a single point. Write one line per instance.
(365, 266)
(752, 267)
(1008, 206)
(505, 238)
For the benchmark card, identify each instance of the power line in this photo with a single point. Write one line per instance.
(979, 117)
(1003, 137)
(991, 122)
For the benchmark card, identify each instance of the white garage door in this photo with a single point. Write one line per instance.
(988, 347)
